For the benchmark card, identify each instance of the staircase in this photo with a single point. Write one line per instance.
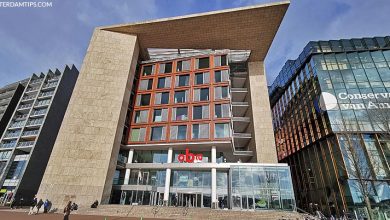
(186, 213)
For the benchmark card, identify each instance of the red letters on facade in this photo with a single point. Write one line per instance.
(189, 157)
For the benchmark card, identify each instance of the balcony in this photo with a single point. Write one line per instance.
(30, 90)
(11, 135)
(49, 86)
(24, 107)
(28, 98)
(30, 133)
(34, 122)
(239, 94)
(20, 117)
(8, 144)
(36, 81)
(238, 80)
(240, 124)
(239, 108)
(16, 124)
(241, 140)
(42, 103)
(26, 144)
(45, 94)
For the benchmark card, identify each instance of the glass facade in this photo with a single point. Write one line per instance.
(331, 117)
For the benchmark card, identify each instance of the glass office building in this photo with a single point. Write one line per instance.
(331, 116)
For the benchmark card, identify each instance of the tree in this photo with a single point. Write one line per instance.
(357, 168)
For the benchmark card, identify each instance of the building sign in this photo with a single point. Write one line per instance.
(328, 101)
(189, 157)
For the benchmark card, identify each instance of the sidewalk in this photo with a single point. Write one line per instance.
(21, 215)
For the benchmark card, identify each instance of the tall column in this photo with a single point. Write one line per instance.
(168, 178)
(214, 200)
(129, 160)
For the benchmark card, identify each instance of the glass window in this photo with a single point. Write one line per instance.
(165, 98)
(141, 116)
(157, 115)
(197, 112)
(161, 83)
(221, 76)
(200, 131)
(222, 110)
(180, 113)
(222, 130)
(220, 60)
(180, 96)
(181, 132)
(204, 94)
(158, 133)
(143, 100)
(202, 63)
(166, 67)
(183, 65)
(200, 112)
(137, 134)
(161, 98)
(148, 70)
(146, 84)
(182, 80)
(221, 92)
(16, 170)
(202, 78)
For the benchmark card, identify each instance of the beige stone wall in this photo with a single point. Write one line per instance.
(263, 142)
(83, 159)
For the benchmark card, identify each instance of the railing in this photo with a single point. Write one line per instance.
(35, 81)
(25, 106)
(49, 85)
(34, 122)
(26, 143)
(38, 112)
(17, 124)
(8, 145)
(32, 89)
(12, 135)
(30, 133)
(43, 94)
(28, 97)
(42, 103)
(54, 79)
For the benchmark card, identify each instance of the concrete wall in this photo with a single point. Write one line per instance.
(83, 160)
(263, 142)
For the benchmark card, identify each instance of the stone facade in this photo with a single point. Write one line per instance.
(83, 160)
(263, 142)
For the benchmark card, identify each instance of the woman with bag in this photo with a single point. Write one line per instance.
(67, 210)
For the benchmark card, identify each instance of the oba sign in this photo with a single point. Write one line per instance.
(189, 157)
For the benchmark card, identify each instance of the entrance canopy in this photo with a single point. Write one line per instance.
(247, 28)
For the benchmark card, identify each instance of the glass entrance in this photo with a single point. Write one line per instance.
(189, 200)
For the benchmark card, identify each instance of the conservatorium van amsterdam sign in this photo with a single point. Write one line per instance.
(328, 101)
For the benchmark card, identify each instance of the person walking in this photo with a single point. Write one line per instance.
(67, 210)
(32, 205)
(39, 205)
(46, 206)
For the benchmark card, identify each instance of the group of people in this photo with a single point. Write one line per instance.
(36, 205)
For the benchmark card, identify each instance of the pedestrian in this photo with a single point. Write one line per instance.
(39, 205)
(21, 202)
(67, 210)
(46, 206)
(13, 202)
(74, 207)
(32, 205)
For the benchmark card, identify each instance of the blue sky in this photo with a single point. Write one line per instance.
(33, 40)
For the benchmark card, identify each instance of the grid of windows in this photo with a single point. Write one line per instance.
(175, 101)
